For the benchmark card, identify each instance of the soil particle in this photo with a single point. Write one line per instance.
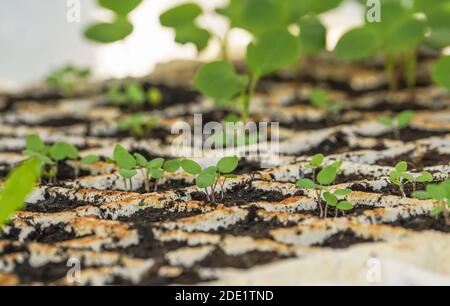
(50, 234)
(343, 240)
(423, 223)
(430, 158)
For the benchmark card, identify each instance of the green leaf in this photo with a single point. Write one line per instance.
(439, 22)
(35, 144)
(181, 15)
(140, 159)
(404, 118)
(386, 121)
(404, 35)
(210, 169)
(436, 192)
(62, 150)
(330, 198)
(228, 164)
(318, 7)
(327, 175)
(124, 159)
(436, 211)
(156, 163)
(156, 173)
(205, 179)
(313, 36)
(345, 206)
(307, 184)
(105, 32)
(423, 195)
(337, 164)
(127, 173)
(317, 160)
(155, 96)
(401, 166)
(17, 187)
(407, 176)
(120, 7)
(441, 75)
(319, 98)
(136, 95)
(271, 51)
(89, 159)
(262, 15)
(424, 177)
(358, 44)
(193, 34)
(220, 81)
(394, 177)
(191, 166)
(343, 192)
(172, 165)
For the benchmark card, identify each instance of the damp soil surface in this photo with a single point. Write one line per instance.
(391, 189)
(423, 223)
(429, 159)
(55, 204)
(343, 240)
(242, 194)
(166, 186)
(50, 234)
(410, 134)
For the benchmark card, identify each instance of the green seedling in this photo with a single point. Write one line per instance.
(441, 193)
(68, 78)
(139, 125)
(126, 164)
(397, 123)
(119, 27)
(441, 68)
(314, 164)
(321, 184)
(209, 178)
(402, 30)
(267, 53)
(17, 187)
(155, 169)
(50, 156)
(133, 94)
(400, 176)
(319, 99)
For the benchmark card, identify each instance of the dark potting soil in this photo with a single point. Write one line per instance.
(51, 234)
(151, 215)
(343, 240)
(304, 125)
(423, 223)
(219, 259)
(66, 172)
(410, 134)
(56, 122)
(254, 226)
(242, 194)
(48, 273)
(10, 249)
(357, 210)
(386, 106)
(157, 133)
(54, 204)
(430, 158)
(391, 189)
(166, 186)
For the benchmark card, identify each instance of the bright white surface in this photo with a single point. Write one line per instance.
(36, 37)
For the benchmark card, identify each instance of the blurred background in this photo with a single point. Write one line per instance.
(36, 37)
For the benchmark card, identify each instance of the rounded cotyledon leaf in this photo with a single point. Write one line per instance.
(220, 81)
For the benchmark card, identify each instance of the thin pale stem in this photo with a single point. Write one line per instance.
(248, 99)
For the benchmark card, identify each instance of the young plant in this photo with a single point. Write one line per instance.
(404, 27)
(400, 177)
(139, 125)
(119, 28)
(267, 53)
(209, 178)
(441, 193)
(319, 99)
(133, 94)
(68, 78)
(17, 187)
(321, 184)
(183, 20)
(155, 169)
(126, 164)
(314, 164)
(398, 122)
(50, 156)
